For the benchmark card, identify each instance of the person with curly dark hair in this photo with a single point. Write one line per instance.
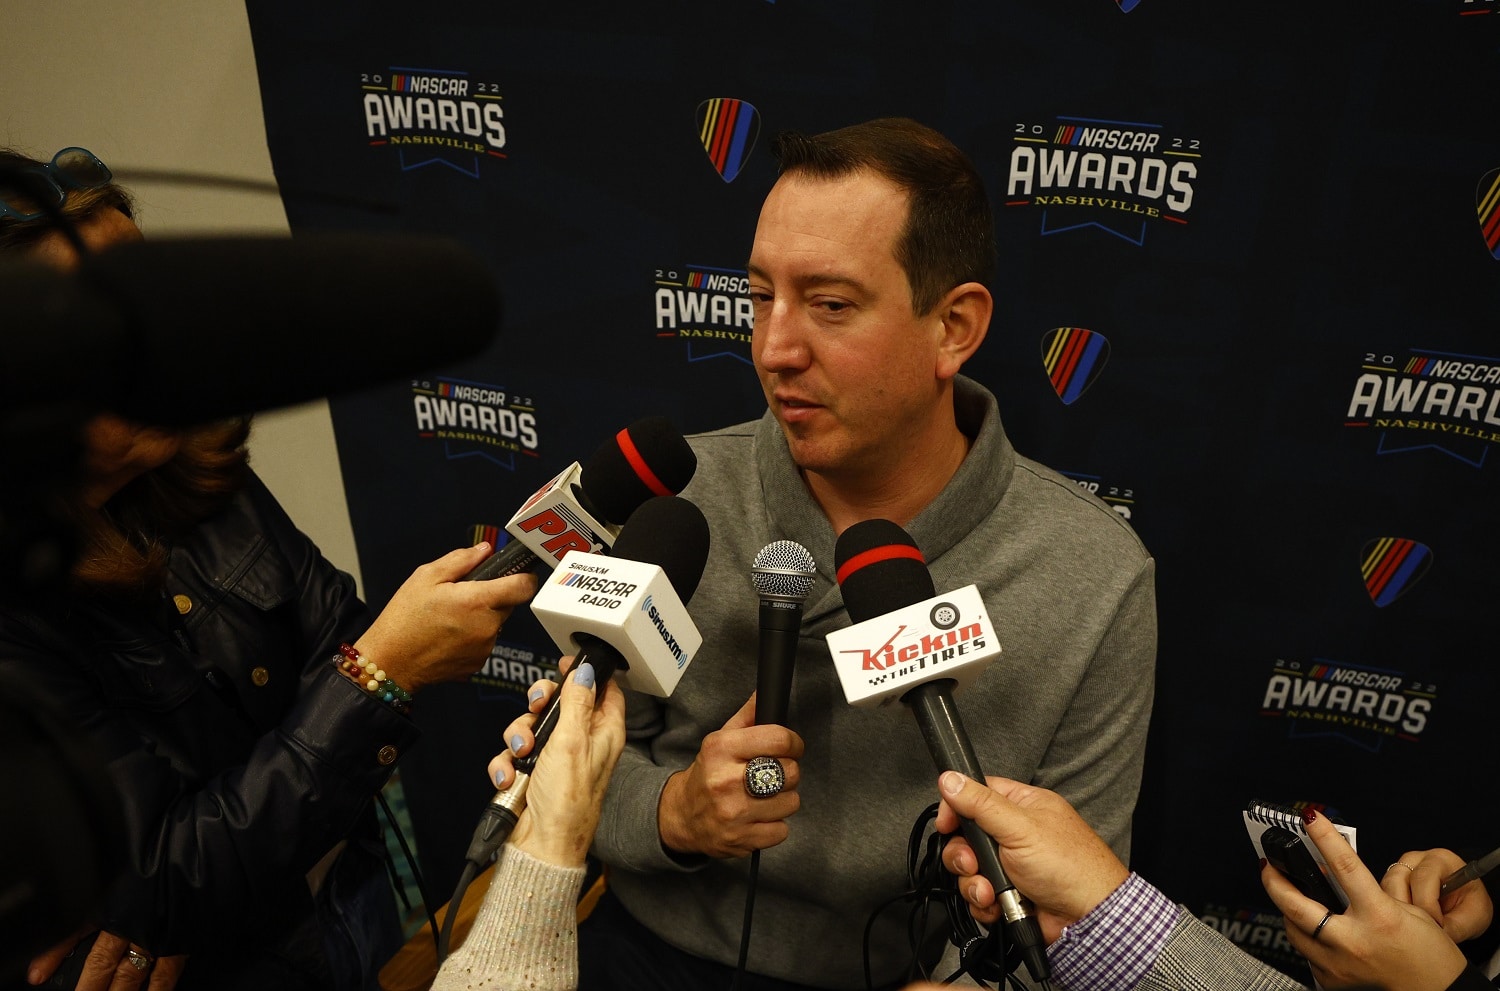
(244, 703)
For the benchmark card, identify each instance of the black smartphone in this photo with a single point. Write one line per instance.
(1285, 852)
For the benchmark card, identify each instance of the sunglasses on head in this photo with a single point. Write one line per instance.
(21, 190)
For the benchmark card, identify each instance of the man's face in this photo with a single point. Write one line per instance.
(847, 368)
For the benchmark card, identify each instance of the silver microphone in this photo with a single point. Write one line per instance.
(783, 574)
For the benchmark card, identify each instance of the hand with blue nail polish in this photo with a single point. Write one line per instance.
(517, 736)
(568, 783)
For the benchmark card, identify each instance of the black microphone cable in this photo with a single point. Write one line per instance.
(984, 956)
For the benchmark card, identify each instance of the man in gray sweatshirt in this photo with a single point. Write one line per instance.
(868, 279)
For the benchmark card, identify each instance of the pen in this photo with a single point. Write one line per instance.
(1468, 872)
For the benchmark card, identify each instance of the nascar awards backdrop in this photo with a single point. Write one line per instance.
(1248, 295)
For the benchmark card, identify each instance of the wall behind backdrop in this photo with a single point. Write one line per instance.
(1248, 294)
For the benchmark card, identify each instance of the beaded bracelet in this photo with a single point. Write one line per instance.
(373, 680)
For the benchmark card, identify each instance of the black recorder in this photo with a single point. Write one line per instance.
(1286, 852)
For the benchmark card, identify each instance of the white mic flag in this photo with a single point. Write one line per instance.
(946, 636)
(631, 606)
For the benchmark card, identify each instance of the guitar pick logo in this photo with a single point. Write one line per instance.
(1391, 566)
(1126, 6)
(487, 532)
(1488, 198)
(728, 129)
(1073, 358)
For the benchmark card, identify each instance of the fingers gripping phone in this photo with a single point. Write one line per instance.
(1285, 852)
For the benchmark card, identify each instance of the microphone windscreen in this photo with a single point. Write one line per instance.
(671, 533)
(879, 569)
(648, 458)
(225, 326)
(783, 569)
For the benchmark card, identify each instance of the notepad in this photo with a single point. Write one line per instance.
(1260, 816)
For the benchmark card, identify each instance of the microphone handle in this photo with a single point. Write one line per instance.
(780, 626)
(949, 745)
(606, 661)
(504, 810)
(512, 559)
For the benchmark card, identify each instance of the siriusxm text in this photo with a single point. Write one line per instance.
(649, 608)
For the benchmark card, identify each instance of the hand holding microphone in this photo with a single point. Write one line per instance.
(568, 783)
(438, 628)
(911, 644)
(1063, 866)
(622, 613)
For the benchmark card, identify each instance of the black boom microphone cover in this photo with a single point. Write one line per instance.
(215, 327)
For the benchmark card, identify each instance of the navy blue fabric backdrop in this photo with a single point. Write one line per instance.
(1248, 293)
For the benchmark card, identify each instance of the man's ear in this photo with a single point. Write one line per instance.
(965, 312)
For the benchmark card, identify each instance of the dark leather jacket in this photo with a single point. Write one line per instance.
(240, 755)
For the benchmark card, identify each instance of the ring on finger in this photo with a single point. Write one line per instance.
(1327, 915)
(1400, 863)
(764, 777)
(140, 961)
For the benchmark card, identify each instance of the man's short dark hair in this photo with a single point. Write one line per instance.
(949, 235)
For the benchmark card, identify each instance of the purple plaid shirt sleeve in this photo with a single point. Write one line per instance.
(1113, 947)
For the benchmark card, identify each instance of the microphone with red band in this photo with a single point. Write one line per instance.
(875, 555)
(907, 642)
(582, 508)
(638, 463)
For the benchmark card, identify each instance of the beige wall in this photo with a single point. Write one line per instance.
(170, 84)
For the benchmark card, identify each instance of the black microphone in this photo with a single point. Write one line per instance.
(189, 330)
(881, 570)
(666, 531)
(783, 575)
(646, 459)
